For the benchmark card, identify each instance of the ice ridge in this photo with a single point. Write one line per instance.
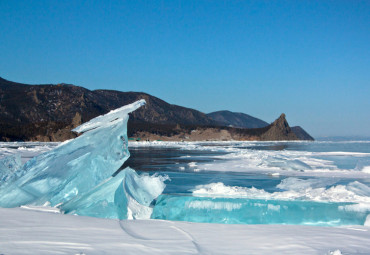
(77, 175)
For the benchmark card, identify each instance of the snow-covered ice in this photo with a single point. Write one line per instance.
(24, 231)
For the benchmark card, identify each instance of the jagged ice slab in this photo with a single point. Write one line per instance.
(77, 175)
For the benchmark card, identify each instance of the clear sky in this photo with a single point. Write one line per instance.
(308, 59)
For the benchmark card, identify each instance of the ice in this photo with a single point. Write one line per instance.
(77, 175)
(296, 184)
(221, 190)
(246, 157)
(125, 196)
(228, 206)
(364, 166)
(287, 164)
(362, 207)
(106, 200)
(336, 252)
(144, 189)
(192, 164)
(367, 221)
(366, 169)
(27, 150)
(44, 208)
(321, 190)
(302, 198)
(9, 166)
(298, 201)
(228, 210)
(359, 188)
(75, 167)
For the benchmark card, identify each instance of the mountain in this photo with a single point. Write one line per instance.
(301, 133)
(237, 119)
(49, 113)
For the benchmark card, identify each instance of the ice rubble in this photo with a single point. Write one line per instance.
(77, 175)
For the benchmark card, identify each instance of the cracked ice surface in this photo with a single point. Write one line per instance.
(76, 175)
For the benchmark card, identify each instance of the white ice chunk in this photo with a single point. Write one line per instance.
(336, 252)
(367, 221)
(110, 118)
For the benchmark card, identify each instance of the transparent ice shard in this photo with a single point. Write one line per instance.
(76, 166)
(127, 195)
(9, 166)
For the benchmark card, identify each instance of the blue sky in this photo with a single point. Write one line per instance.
(308, 59)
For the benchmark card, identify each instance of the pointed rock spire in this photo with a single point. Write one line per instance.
(279, 130)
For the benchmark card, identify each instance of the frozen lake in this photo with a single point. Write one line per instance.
(323, 183)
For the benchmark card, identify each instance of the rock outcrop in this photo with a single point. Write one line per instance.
(279, 130)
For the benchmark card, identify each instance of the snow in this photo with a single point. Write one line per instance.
(366, 169)
(336, 252)
(292, 188)
(25, 231)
